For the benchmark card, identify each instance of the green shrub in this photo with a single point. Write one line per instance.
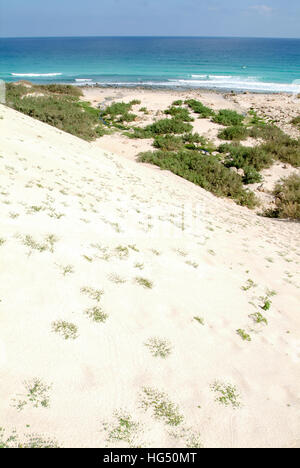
(266, 132)
(251, 176)
(165, 126)
(242, 157)
(60, 110)
(296, 121)
(284, 149)
(179, 102)
(168, 142)
(228, 117)
(199, 108)
(62, 89)
(180, 113)
(255, 119)
(236, 132)
(119, 112)
(287, 193)
(194, 138)
(202, 170)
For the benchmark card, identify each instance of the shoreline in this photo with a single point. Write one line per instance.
(158, 88)
(221, 91)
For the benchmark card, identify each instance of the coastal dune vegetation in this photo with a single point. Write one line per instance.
(225, 169)
(112, 249)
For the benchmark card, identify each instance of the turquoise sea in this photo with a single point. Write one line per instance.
(261, 65)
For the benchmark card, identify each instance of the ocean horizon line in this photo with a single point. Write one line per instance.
(151, 37)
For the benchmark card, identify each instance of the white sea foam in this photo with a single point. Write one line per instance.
(83, 80)
(35, 75)
(222, 82)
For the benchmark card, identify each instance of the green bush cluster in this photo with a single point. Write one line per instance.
(119, 112)
(168, 126)
(63, 111)
(199, 108)
(206, 171)
(243, 156)
(228, 118)
(287, 193)
(296, 121)
(168, 142)
(235, 132)
(180, 113)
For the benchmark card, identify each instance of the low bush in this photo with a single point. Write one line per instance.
(63, 111)
(68, 90)
(197, 106)
(180, 113)
(202, 170)
(242, 157)
(251, 176)
(165, 126)
(287, 193)
(120, 112)
(168, 142)
(179, 102)
(296, 121)
(228, 118)
(236, 132)
(284, 149)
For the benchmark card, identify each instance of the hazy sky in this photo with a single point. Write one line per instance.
(274, 18)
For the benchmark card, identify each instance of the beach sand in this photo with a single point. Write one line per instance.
(162, 251)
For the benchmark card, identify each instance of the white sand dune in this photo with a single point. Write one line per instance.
(73, 217)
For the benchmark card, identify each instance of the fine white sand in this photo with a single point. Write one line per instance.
(115, 220)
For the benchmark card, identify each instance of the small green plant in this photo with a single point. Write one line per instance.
(37, 395)
(144, 110)
(227, 394)
(193, 264)
(68, 330)
(159, 347)
(259, 318)
(267, 305)
(48, 243)
(122, 429)
(2, 241)
(114, 278)
(122, 251)
(94, 294)
(194, 441)
(68, 269)
(162, 408)
(28, 440)
(199, 320)
(179, 102)
(147, 284)
(250, 284)
(245, 336)
(96, 314)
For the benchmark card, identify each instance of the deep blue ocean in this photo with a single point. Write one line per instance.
(262, 65)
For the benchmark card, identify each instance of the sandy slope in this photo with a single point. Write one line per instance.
(199, 251)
